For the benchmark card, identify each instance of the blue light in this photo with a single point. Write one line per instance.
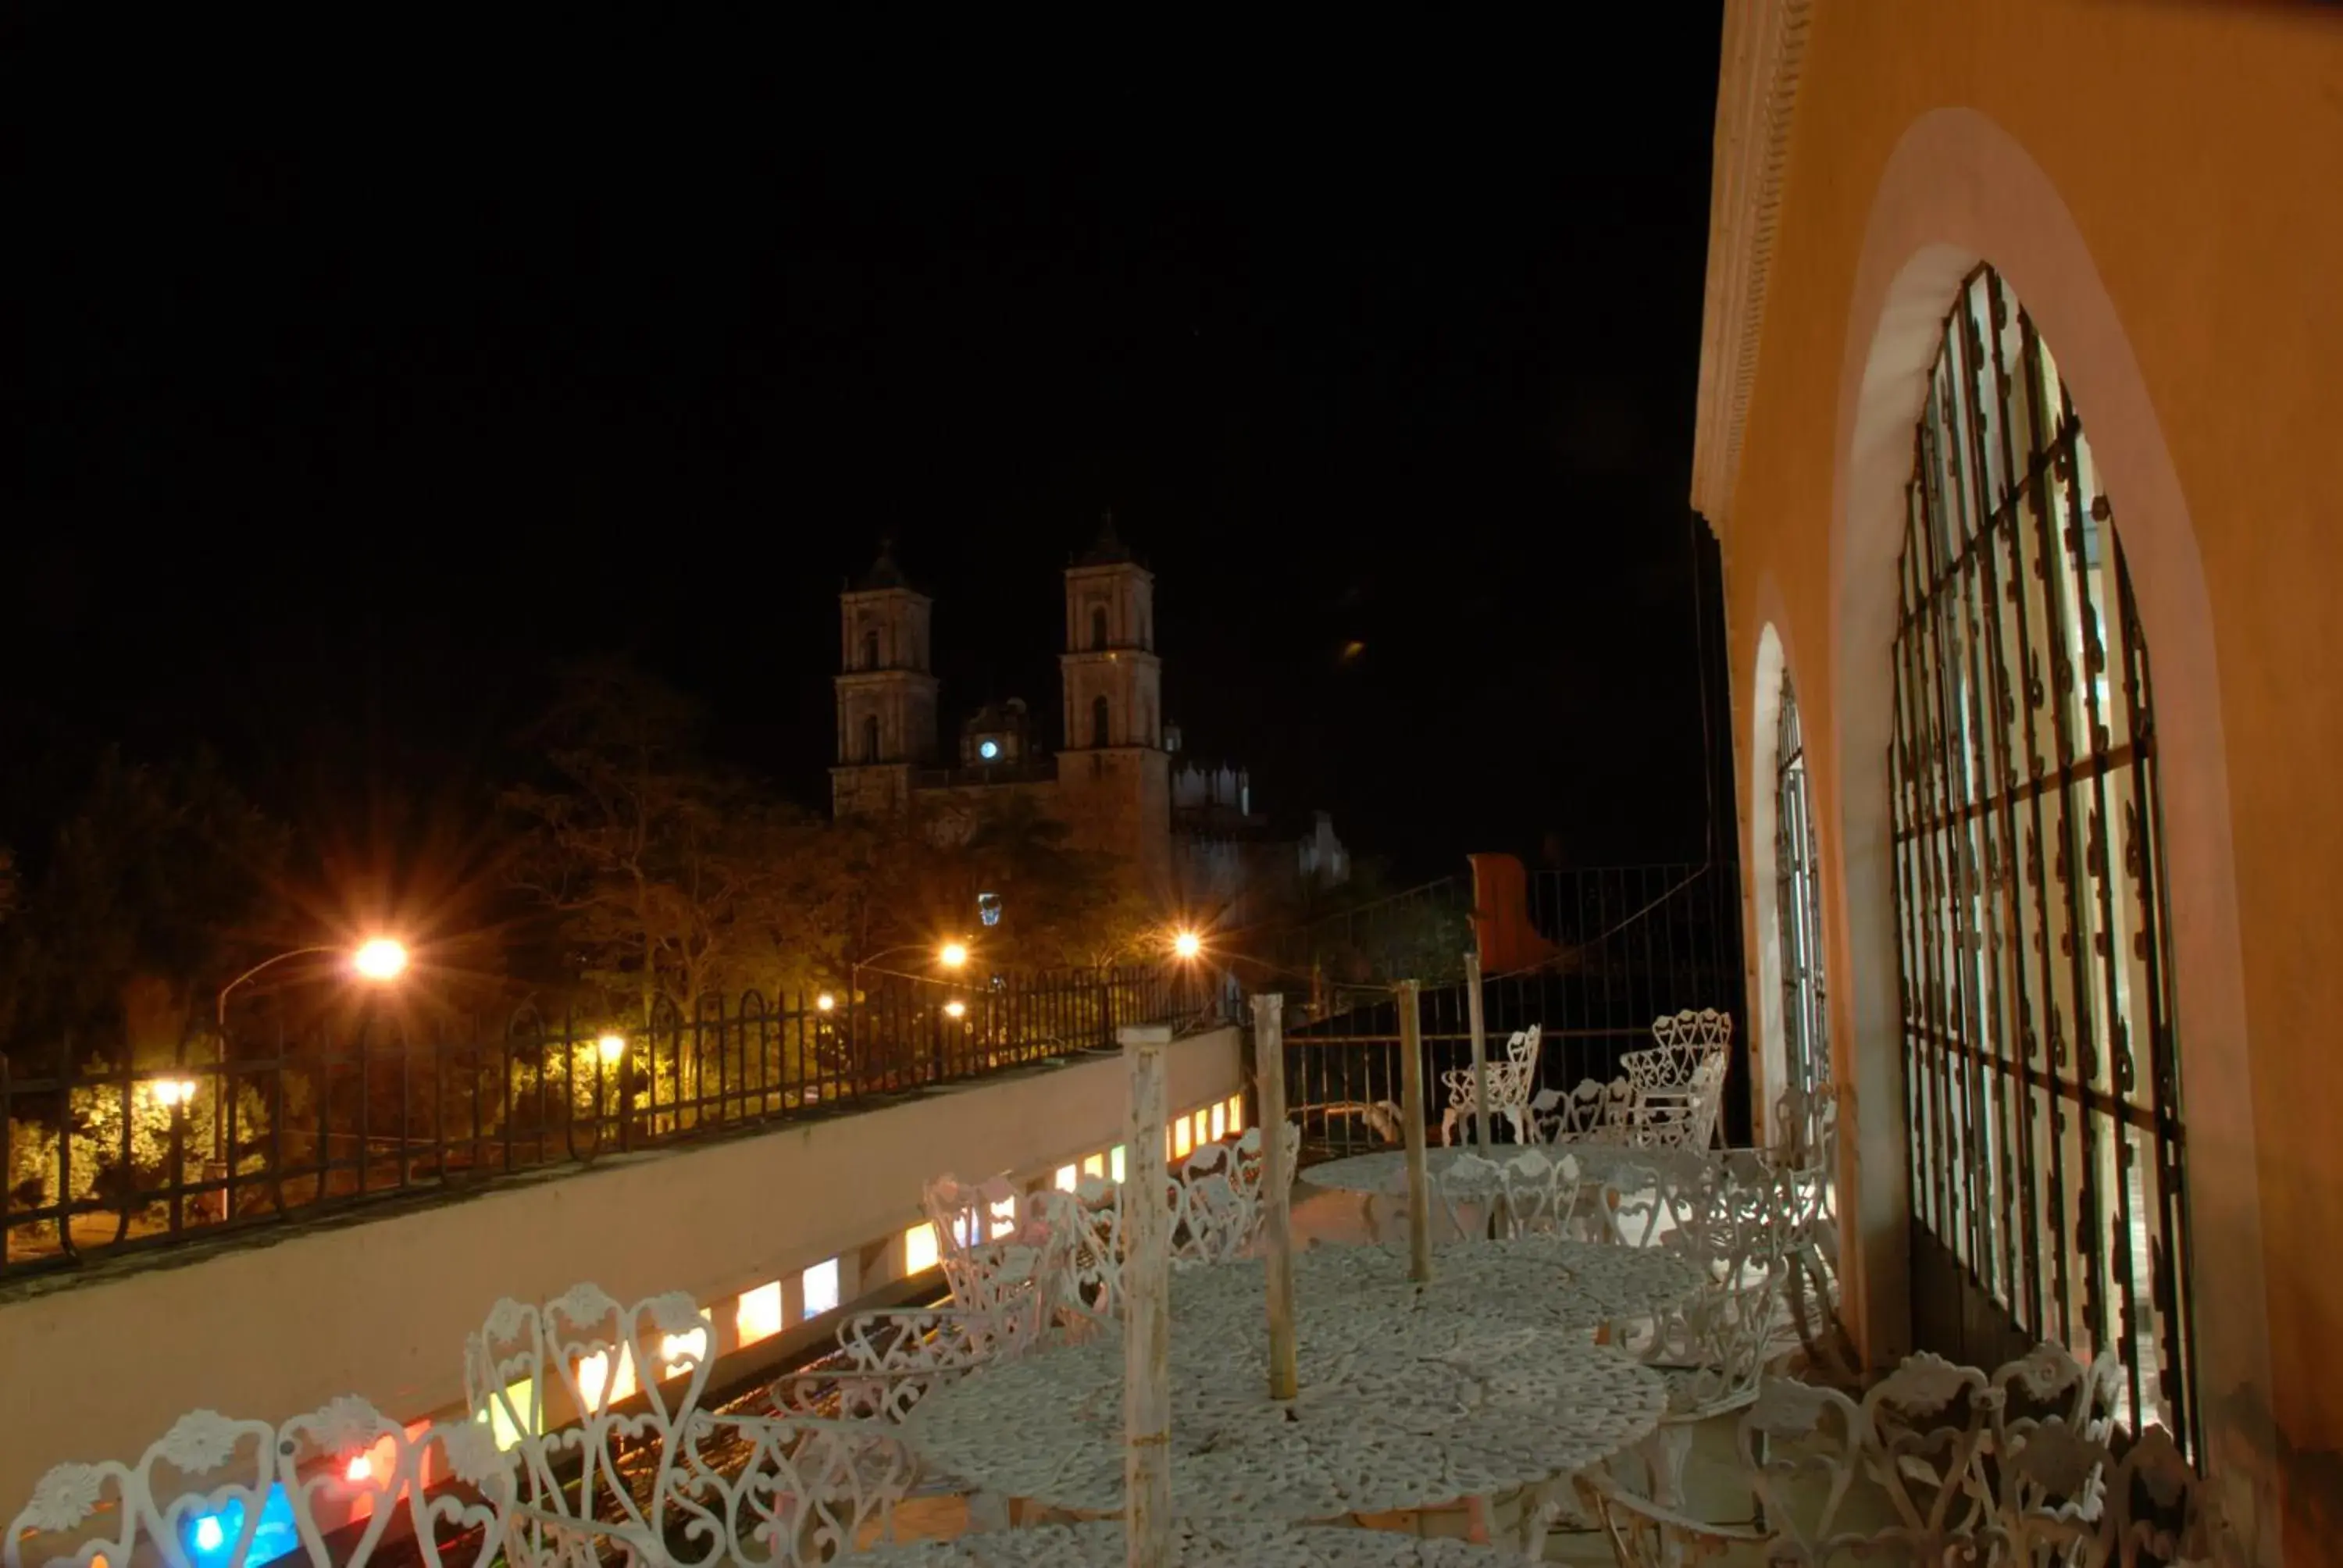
(210, 1539)
(988, 907)
(988, 749)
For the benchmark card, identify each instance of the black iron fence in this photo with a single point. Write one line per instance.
(1631, 942)
(101, 1160)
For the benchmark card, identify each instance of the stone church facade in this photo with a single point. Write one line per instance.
(1187, 831)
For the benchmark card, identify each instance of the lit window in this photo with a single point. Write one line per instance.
(1181, 1143)
(1236, 1113)
(1004, 1218)
(1114, 1162)
(821, 1287)
(760, 1314)
(1094, 1166)
(1220, 1122)
(595, 1369)
(1068, 1178)
(505, 1413)
(919, 1249)
(679, 1352)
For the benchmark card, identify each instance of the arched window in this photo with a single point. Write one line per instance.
(870, 649)
(1798, 876)
(2038, 1028)
(1098, 625)
(1099, 716)
(871, 737)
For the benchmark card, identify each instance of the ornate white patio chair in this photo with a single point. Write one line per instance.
(555, 1383)
(970, 1216)
(552, 1384)
(1679, 1082)
(1215, 1198)
(332, 1487)
(1510, 1082)
(1927, 1468)
(1593, 1113)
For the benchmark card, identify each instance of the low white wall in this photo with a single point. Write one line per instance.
(380, 1306)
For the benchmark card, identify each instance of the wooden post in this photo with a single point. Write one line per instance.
(1147, 1303)
(1480, 1051)
(1411, 1115)
(1277, 1225)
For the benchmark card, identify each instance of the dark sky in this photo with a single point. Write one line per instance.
(332, 413)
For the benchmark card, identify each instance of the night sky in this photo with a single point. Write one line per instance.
(333, 414)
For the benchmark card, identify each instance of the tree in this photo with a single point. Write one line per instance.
(669, 877)
(1059, 907)
(160, 883)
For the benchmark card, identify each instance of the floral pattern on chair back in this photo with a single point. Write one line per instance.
(326, 1488)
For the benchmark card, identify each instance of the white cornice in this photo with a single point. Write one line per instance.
(1757, 92)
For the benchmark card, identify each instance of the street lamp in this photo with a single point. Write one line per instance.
(951, 955)
(612, 1047)
(379, 960)
(1187, 944)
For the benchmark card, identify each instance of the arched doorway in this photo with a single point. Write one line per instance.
(2040, 1047)
(1797, 889)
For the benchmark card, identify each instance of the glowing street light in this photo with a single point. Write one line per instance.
(612, 1047)
(174, 1092)
(380, 960)
(1187, 944)
(825, 1002)
(952, 955)
(955, 1009)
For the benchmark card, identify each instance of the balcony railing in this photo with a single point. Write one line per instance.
(102, 1159)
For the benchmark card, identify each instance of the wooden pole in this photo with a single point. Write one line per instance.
(1411, 1115)
(1147, 1303)
(1277, 1225)
(1480, 1051)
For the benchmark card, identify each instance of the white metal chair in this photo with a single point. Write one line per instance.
(332, 1487)
(1510, 1082)
(1678, 1082)
(1215, 1198)
(1593, 1113)
(574, 1386)
(1929, 1466)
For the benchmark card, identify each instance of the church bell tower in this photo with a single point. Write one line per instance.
(886, 692)
(1114, 783)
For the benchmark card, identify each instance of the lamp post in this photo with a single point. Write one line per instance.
(949, 955)
(379, 960)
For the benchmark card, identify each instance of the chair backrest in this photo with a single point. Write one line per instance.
(1593, 1113)
(1521, 1050)
(555, 1383)
(1680, 1042)
(1538, 1195)
(331, 1487)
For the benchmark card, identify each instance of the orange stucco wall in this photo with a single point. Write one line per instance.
(2197, 151)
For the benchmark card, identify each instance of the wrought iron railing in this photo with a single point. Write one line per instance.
(1632, 943)
(101, 1160)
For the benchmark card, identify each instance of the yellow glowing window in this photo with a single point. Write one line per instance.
(1004, 1217)
(1114, 1161)
(1179, 1144)
(679, 1352)
(595, 1369)
(1220, 1122)
(1068, 1178)
(1095, 1165)
(1202, 1121)
(507, 1411)
(821, 1287)
(1236, 1113)
(919, 1250)
(760, 1313)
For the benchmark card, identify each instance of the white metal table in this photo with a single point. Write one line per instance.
(1396, 1409)
(1572, 1288)
(1207, 1545)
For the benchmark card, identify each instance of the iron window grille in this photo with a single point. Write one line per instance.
(1796, 873)
(2042, 1076)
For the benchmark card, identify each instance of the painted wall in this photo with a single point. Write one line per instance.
(2157, 184)
(380, 1306)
